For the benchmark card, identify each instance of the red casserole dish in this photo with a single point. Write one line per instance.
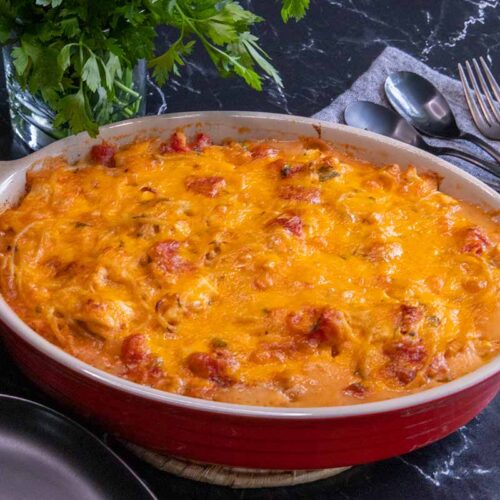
(244, 435)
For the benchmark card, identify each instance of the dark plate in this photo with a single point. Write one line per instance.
(46, 456)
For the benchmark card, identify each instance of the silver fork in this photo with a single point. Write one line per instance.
(487, 114)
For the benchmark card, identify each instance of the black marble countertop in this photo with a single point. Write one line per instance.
(319, 58)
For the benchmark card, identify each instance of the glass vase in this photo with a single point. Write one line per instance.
(32, 118)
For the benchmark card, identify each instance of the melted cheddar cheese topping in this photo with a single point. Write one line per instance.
(269, 273)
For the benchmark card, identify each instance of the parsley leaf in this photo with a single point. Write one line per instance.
(249, 41)
(294, 8)
(90, 73)
(20, 60)
(113, 69)
(64, 57)
(70, 27)
(170, 60)
(73, 111)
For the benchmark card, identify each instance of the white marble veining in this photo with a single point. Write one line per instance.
(479, 16)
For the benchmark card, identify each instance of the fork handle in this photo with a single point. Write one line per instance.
(481, 144)
(489, 166)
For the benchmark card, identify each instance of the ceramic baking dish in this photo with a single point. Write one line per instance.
(244, 435)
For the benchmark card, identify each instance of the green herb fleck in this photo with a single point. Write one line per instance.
(325, 173)
(218, 343)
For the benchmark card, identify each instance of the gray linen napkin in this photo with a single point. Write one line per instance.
(370, 87)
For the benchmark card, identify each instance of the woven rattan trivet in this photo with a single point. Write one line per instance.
(233, 477)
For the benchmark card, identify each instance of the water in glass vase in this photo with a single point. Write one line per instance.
(33, 120)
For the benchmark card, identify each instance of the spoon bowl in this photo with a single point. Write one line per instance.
(367, 115)
(420, 103)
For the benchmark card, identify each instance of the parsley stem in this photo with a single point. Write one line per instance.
(126, 89)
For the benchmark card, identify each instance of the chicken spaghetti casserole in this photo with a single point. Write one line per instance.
(275, 273)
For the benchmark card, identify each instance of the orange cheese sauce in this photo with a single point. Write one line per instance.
(269, 273)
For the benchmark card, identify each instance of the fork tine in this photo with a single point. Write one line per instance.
(471, 102)
(486, 91)
(486, 113)
(491, 78)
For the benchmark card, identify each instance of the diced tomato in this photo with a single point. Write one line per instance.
(329, 326)
(206, 366)
(317, 326)
(104, 154)
(207, 186)
(300, 193)
(134, 350)
(165, 255)
(404, 374)
(408, 352)
(202, 365)
(409, 318)
(177, 144)
(292, 223)
(216, 366)
(355, 390)
(142, 366)
(167, 247)
(476, 241)
(406, 359)
(201, 142)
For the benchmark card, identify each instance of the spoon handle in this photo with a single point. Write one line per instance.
(489, 166)
(481, 144)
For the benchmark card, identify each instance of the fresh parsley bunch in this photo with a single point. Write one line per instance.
(78, 55)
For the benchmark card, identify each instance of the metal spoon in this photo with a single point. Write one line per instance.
(421, 104)
(376, 118)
